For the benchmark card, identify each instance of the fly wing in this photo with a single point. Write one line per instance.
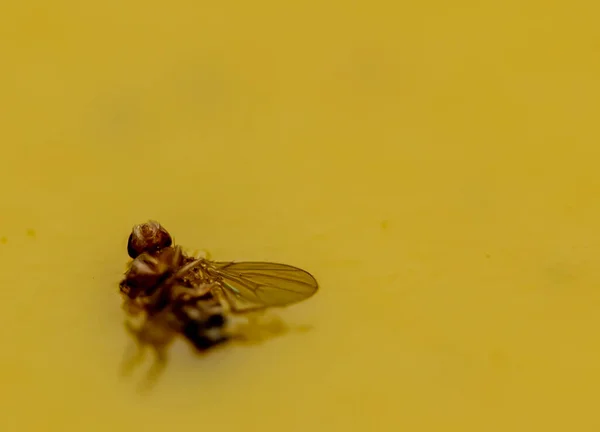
(255, 285)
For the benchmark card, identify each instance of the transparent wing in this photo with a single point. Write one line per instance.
(255, 285)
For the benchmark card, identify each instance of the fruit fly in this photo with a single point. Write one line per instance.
(178, 293)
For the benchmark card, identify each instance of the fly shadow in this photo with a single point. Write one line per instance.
(150, 337)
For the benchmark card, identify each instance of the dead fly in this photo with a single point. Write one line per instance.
(174, 293)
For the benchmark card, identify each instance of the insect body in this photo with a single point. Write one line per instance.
(192, 296)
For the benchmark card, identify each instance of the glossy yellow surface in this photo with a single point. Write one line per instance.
(434, 164)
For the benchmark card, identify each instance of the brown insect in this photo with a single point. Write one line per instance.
(192, 296)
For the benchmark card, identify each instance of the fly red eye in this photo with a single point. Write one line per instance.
(131, 250)
(147, 237)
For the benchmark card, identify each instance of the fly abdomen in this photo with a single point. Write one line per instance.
(202, 322)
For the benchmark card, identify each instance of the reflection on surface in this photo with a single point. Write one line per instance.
(153, 336)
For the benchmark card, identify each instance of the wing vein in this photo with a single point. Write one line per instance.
(263, 284)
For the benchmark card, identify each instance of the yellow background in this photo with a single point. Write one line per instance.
(434, 164)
